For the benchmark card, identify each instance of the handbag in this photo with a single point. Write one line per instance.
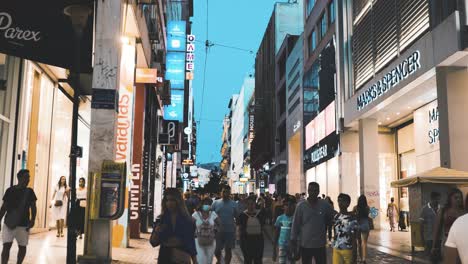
(154, 238)
(58, 203)
(180, 257)
(371, 223)
(82, 203)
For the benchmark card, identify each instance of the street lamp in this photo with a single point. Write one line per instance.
(79, 17)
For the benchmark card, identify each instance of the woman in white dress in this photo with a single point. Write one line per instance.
(206, 222)
(81, 206)
(59, 204)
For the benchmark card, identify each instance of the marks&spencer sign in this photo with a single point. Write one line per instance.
(406, 68)
(40, 31)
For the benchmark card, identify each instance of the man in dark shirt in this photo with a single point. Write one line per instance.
(308, 231)
(17, 203)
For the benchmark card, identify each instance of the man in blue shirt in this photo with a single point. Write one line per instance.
(283, 231)
(227, 211)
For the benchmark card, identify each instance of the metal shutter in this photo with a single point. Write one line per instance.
(414, 20)
(385, 32)
(358, 6)
(363, 51)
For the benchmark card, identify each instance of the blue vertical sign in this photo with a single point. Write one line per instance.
(175, 111)
(176, 39)
(175, 69)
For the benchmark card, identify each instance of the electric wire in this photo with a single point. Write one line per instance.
(204, 69)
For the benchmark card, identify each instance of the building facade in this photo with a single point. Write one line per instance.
(401, 84)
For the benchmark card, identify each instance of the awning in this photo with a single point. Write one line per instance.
(437, 175)
(40, 31)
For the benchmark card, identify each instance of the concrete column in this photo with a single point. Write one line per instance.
(98, 247)
(452, 97)
(369, 164)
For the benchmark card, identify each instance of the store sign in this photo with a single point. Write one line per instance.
(176, 31)
(135, 192)
(402, 71)
(321, 126)
(39, 31)
(325, 150)
(251, 127)
(433, 119)
(175, 69)
(175, 111)
(190, 56)
(169, 133)
(144, 75)
(297, 126)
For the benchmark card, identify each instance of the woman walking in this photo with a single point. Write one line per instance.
(251, 223)
(81, 206)
(445, 218)
(362, 214)
(175, 231)
(392, 214)
(59, 204)
(206, 222)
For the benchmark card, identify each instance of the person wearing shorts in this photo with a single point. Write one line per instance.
(227, 211)
(18, 201)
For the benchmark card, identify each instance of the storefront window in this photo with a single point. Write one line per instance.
(61, 138)
(5, 91)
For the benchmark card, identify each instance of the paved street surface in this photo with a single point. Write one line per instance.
(45, 248)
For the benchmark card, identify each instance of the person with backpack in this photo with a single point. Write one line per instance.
(206, 222)
(251, 223)
(18, 201)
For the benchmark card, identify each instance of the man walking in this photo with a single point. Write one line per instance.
(309, 226)
(428, 219)
(17, 202)
(227, 211)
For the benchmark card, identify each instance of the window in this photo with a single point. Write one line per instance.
(310, 6)
(331, 12)
(323, 25)
(312, 42)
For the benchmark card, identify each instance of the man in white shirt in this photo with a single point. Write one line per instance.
(457, 244)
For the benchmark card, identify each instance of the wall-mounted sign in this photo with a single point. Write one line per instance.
(190, 56)
(297, 126)
(433, 120)
(321, 126)
(251, 127)
(175, 69)
(169, 133)
(176, 31)
(144, 75)
(40, 31)
(402, 71)
(175, 111)
(104, 99)
(326, 149)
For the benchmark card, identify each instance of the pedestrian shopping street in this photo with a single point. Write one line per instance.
(46, 248)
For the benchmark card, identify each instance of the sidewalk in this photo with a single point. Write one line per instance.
(46, 248)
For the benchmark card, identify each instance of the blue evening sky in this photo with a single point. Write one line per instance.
(236, 23)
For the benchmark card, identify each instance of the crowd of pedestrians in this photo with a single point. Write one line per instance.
(207, 227)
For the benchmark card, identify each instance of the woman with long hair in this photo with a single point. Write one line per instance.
(175, 229)
(206, 222)
(362, 214)
(392, 214)
(59, 204)
(445, 218)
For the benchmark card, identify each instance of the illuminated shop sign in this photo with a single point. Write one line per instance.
(402, 71)
(324, 150)
(175, 69)
(321, 126)
(176, 31)
(175, 111)
(190, 57)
